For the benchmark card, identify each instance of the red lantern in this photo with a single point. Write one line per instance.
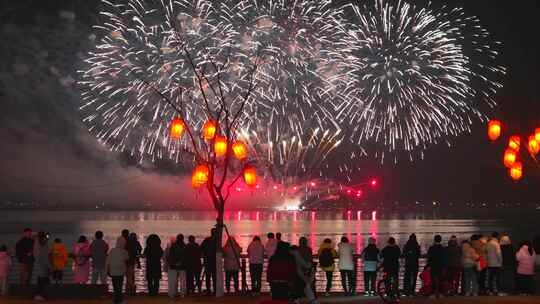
(516, 172)
(239, 150)
(209, 129)
(177, 128)
(534, 145)
(514, 142)
(537, 134)
(494, 129)
(220, 145)
(200, 176)
(250, 176)
(510, 157)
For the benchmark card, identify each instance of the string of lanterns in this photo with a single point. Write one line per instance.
(201, 174)
(511, 158)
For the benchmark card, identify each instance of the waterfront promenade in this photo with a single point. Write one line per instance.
(254, 300)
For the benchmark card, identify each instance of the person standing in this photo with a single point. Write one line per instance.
(99, 249)
(370, 256)
(526, 259)
(508, 272)
(193, 265)
(326, 255)
(303, 283)
(411, 254)
(59, 257)
(42, 254)
(255, 252)
(5, 265)
(390, 256)
(231, 258)
(307, 255)
(469, 259)
(436, 264)
(281, 274)
(494, 263)
(209, 252)
(454, 265)
(24, 250)
(478, 242)
(81, 260)
(346, 266)
(177, 267)
(134, 249)
(271, 245)
(153, 254)
(116, 264)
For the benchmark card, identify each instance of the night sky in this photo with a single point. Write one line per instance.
(48, 156)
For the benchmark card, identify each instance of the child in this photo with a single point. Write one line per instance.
(5, 263)
(59, 260)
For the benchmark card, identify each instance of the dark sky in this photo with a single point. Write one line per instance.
(48, 156)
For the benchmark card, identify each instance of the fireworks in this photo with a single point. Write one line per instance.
(139, 76)
(292, 160)
(412, 77)
(286, 37)
(385, 79)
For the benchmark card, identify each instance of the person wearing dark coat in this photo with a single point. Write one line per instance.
(24, 250)
(281, 272)
(153, 254)
(390, 256)
(509, 263)
(436, 264)
(193, 265)
(411, 254)
(453, 257)
(209, 251)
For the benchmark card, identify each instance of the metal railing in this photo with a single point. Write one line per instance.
(244, 276)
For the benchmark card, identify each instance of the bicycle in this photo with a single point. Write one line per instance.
(387, 289)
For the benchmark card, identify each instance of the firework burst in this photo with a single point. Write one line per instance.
(412, 77)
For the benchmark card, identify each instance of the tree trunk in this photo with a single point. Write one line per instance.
(219, 288)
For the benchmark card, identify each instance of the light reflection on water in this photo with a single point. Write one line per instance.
(357, 226)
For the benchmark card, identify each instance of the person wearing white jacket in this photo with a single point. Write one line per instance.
(346, 266)
(494, 262)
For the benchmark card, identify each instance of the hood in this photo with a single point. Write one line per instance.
(327, 246)
(57, 246)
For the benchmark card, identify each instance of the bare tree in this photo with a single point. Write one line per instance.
(227, 110)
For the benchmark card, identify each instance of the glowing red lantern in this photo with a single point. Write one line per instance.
(510, 157)
(239, 150)
(373, 182)
(494, 129)
(534, 145)
(516, 172)
(514, 142)
(200, 176)
(220, 145)
(537, 134)
(209, 129)
(177, 128)
(250, 176)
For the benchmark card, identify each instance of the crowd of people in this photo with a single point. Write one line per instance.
(476, 266)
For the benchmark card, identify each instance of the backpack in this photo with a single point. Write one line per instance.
(326, 258)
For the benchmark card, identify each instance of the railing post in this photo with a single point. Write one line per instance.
(355, 276)
(244, 277)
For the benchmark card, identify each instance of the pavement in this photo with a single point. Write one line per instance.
(255, 300)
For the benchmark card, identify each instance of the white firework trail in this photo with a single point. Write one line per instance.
(412, 77)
